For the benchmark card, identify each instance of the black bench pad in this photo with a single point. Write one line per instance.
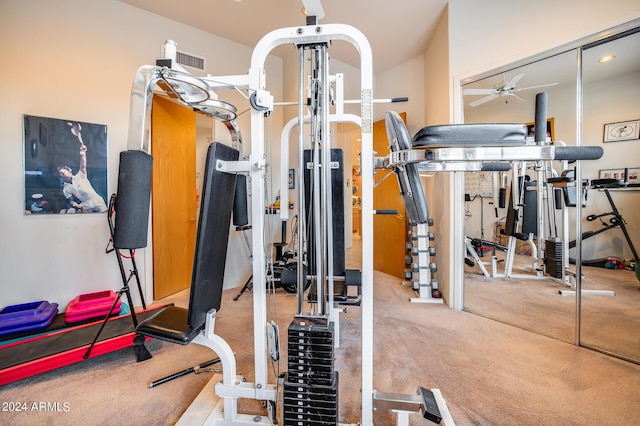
(340, 292)
(501, 134)
(353, 278)
(170, 324)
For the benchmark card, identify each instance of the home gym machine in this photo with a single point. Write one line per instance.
(310, 389)
(311, 334)
(311, 382)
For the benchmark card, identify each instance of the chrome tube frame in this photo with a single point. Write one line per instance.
(257, 81)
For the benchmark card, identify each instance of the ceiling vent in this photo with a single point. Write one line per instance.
(191, 61)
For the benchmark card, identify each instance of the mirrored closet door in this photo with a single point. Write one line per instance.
(610, 300)
(517, 291)
(588, 103)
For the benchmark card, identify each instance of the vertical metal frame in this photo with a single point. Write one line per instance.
(257, 81)
(578, 180)
(139, 136)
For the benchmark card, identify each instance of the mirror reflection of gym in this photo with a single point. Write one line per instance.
(502, 287)
(528, 301)
(611, 228)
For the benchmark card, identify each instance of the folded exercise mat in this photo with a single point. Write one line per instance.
(92, 305)
(27, 317)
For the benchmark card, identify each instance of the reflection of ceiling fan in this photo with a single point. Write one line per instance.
(506, 88)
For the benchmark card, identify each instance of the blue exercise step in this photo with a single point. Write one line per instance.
(27, 317)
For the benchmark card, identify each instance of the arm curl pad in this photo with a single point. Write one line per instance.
(579, 152)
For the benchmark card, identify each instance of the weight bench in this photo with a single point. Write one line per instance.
(441, 148)
(477, 147)
(465, 147)
(416, 207)
(196, 324)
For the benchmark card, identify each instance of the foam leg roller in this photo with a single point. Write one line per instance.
(541, 117)
(578, 152)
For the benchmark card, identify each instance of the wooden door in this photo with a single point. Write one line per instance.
(173, 146)
(389, 231)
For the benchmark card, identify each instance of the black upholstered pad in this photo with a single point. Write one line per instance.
(178, 324)
(132, 203)
(212, 238)
(454, 135)
(340, 292)
(408, 176)
(169, 324)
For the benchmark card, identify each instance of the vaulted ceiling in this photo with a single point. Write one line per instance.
(397, 30)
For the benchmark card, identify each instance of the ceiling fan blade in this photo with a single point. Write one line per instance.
(535, 87)
(483, 100)
(512, 83)
(479, 91)
(516, 96)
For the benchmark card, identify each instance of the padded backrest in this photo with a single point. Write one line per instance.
(411, 190)
(216, 205)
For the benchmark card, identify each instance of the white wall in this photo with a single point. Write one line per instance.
(425, 80)
(485, 35)
(76, 60)
(439, 187)
(405, 80)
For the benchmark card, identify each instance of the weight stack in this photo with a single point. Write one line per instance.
(553, 257)
(311, 388)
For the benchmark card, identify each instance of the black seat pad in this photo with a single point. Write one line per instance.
(455, 135)
(170, 324)
(340, 292)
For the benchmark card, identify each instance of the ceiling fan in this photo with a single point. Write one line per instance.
(506, 88)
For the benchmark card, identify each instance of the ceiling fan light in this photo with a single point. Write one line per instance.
(607, 58)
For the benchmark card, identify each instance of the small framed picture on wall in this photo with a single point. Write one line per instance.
(631, 181)
(622, 131)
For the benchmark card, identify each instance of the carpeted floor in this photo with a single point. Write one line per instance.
(490, 373)
(608, 323)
